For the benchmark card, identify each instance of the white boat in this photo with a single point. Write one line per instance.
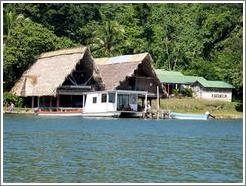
(116, 103)
(175, 115)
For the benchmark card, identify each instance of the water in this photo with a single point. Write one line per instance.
(74, 150)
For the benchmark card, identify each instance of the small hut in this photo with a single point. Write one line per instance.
(212, 90)
(58, 78)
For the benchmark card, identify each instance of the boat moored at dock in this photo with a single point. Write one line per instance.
(115, 103)
(181, 116)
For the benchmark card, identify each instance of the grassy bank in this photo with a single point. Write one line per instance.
(220, 109)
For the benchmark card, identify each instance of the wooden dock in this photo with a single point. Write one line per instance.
(155, 114)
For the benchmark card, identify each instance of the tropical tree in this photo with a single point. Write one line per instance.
(27, 40)
(107, 39)
(11, 19)
(197, 39)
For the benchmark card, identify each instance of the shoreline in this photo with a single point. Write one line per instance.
(31, 112)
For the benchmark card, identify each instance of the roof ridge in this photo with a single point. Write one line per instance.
(121, 55)
(64, 51)
(119, 63)
(218, 83)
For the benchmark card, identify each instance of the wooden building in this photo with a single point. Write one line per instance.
(175, 80)
(129, 72)
(60, 78)
(213, 90)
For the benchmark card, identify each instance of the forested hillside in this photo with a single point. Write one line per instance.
(197, 39)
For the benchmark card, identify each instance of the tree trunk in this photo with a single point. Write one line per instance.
(174, 64)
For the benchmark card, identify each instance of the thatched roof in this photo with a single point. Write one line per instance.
(114, 70)
(49, 72)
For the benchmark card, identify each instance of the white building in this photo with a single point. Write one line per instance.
(214, 90)
(202, 88)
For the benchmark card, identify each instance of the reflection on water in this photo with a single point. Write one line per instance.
(94, 150)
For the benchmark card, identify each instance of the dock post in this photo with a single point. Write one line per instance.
(145, 103)
(38, 101)
(158, 102)
(83, 104)
(58, 101)
(50, 103)
(32, 101)
(107, 98)
(168, 89)
(115, 100)
(145, 100)
(71, 100)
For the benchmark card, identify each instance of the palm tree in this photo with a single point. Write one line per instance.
(107, 37)
(10, 21)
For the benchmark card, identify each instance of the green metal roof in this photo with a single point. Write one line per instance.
(175, 77)
(178, 78)
(169, 76)
(193, 79)
(215, 84)
(170, 73)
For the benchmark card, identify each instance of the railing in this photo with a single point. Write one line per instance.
(128, 108)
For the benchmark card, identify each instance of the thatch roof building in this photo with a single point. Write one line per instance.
(54, 69)
(128, 72)
(59, 78)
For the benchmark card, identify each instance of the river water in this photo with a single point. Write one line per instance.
(71, 150)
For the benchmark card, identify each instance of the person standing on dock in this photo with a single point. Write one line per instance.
(11, 107)
(147, 110)
(148, 107)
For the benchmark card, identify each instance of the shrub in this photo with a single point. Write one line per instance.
(175, 92)
(8, 98)
(187, 92)
(239, 107)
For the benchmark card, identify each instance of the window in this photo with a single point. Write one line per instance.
(133, 99)
(104, 98)
(94, 100)
(111, 97)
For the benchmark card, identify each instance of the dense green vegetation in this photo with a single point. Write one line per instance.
(9, 98)
(197, 39)
(25, 40)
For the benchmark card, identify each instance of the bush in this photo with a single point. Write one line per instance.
(8, 98)
(239, 107)
(175, 92)
(187, 92)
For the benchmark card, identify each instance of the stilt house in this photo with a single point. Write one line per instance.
(58, 78)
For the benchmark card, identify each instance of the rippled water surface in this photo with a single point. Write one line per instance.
(73, 149)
